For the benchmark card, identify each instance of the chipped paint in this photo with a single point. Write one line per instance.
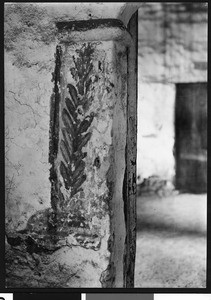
(81, 233)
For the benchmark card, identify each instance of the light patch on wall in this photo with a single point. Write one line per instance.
(155, 137)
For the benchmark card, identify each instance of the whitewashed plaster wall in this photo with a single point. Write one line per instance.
(155, 130)
(66, 113)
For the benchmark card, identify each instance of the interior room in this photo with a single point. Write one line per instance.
(172, 145)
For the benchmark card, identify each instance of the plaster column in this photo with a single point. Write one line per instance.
(84, 236)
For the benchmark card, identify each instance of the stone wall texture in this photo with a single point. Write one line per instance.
(172, 49)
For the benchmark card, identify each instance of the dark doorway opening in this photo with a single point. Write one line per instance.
(191, 137)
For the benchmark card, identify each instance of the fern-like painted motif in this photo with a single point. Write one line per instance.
(75, 133)
(74, 137)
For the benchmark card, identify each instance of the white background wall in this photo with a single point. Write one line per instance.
(156, 130)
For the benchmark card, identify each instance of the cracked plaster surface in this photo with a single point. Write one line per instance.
(28, 90)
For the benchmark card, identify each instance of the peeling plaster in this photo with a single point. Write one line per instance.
(66, 229)
(84, 218)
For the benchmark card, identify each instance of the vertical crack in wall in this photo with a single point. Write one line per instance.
(55, 100)
(54, 129)
(53, 143)
(113, 276)
(108, 276)
(125, 199)
(129, 185)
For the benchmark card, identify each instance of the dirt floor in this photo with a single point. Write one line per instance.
(171, 241)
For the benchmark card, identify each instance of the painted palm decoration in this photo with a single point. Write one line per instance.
(75, 136)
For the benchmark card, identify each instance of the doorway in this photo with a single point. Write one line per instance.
(191, 137)
(171, 146)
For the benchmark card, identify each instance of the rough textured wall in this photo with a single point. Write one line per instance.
(172, 48)
(173, 42)
(67, 230)
(29, 62)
